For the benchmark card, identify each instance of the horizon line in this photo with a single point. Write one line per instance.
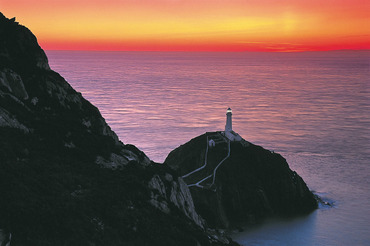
(212, 51)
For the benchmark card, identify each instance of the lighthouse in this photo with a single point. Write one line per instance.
(228, 126)
(229, 133)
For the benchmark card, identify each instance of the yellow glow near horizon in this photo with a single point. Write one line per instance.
(195, 25)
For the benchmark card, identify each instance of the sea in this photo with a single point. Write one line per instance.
(311, 107)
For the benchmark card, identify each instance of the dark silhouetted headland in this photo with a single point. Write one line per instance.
(65, 178)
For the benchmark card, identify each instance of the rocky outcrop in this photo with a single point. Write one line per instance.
(19, 48)
(167, 189)
(251, 183)
(12, 83)
(5, 238)
(66, 178)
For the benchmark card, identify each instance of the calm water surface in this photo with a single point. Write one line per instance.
(313, 108)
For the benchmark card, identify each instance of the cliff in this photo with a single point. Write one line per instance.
(233, 185)
(66, 178)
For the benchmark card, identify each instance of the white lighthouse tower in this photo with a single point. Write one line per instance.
(228, 126)
(229, 133)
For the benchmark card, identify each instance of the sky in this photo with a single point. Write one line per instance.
(195, 25)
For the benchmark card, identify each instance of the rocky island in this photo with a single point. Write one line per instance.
(66, 178)
(234, 182)
(241, 183)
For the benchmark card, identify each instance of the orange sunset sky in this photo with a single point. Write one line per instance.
(195, 25)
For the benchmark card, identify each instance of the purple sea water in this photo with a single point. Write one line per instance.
(313, 108)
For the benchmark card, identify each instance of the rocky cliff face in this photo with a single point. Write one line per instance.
(65, 178)
(251, 183)
(38, 101)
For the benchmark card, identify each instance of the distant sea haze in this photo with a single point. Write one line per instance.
(313, 108)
